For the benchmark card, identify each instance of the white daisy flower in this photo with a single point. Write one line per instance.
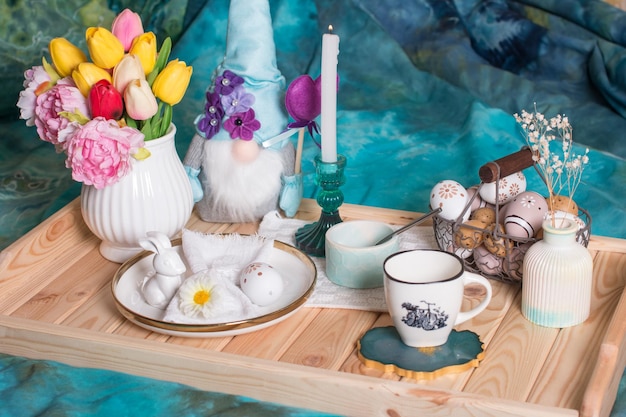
(199, 296)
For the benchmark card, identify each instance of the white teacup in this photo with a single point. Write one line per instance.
(424, 293)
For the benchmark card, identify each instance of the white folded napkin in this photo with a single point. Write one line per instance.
(217, 261)
(327, 293)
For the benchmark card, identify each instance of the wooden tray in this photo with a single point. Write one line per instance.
(56, 304)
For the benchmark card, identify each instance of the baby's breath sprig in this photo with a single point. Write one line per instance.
(561, 172)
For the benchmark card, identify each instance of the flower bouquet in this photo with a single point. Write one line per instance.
(101, 112)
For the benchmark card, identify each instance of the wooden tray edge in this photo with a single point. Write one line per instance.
(288, 384)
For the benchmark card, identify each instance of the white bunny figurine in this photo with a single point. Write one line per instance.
(159, 287)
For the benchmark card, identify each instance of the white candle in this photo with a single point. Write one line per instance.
(330, 50)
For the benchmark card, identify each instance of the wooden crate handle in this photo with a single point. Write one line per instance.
(506, 166)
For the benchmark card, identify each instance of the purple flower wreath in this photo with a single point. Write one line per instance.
(229, 99)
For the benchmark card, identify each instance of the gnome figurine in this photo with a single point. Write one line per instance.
(241, 159)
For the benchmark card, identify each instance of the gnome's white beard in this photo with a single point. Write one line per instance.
(240, 192)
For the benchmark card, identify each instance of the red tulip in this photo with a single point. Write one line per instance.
(105, 101)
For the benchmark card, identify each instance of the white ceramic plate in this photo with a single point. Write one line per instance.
(296, 268)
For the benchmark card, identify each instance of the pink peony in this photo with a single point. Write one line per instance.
(63, 97)
(33, 79)
(99, 152)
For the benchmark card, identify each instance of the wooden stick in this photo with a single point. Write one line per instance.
(298, 166)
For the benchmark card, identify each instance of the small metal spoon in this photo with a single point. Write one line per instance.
(408, 226)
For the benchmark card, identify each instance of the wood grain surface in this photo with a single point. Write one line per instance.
(56, 303)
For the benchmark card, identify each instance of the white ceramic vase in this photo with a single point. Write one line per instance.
(154, 196)
(558, 271)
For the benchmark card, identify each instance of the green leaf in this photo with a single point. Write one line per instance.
(75, 116)
(130, 122)
(167, 119)
(161, 61)
(147, 131)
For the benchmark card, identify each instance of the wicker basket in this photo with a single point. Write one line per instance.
(507, 265)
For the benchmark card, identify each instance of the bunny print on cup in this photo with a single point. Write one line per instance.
(161, 285)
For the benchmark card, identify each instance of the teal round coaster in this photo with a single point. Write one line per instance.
(381, 348)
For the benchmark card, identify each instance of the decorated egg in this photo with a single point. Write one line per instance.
(562, 203)
(486, 215)
(261, 283)
(513, 265)
(470, 234)
(475, 198)
(487, 262)
(524, 214)
(507, 188)
(452, 198)
(495, 242)
(461, 252)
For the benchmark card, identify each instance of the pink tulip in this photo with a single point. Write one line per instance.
(126, 27)
(140, 101)
(105, 101)
(127, 70)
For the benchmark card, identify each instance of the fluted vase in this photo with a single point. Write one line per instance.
(557, 284)
(154, 196)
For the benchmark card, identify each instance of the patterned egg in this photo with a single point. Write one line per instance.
(524, 214)
(261, 283)
(475, 198)
(487, 262)
(513, 265)
(507, 188)
(462, 253)
(495, 242)
(452, 198)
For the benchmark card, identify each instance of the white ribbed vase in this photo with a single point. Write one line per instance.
(154, 196)
(556, 289)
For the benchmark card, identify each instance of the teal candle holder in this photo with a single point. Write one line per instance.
(311, 238)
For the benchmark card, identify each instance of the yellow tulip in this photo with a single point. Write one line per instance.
(145, 47)
(87, 74)
(171, 83)
(104, 48)
(65, 56)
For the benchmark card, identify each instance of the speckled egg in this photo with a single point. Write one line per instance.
(487, 262)
(562, 203)
(262, 283)
(470, 234)
(507, 188)
(486, 215)
(452, 198)
(495, 242)
(524, 214)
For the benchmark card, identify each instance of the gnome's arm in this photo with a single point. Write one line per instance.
(291, 183)
(192, 164)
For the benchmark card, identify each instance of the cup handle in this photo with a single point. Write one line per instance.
(471, 278)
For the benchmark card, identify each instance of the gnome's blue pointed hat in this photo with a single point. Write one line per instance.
(247, 79)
